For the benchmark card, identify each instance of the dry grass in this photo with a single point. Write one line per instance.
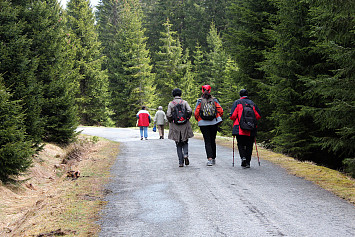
(54, 202)
(331, 180)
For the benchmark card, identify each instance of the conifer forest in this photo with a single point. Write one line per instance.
(61, 67)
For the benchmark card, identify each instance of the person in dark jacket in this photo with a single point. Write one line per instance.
(209, 126)
(245, 138)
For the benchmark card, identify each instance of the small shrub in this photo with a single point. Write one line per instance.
(350, 166)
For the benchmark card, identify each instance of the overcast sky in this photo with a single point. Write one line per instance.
(93, 2)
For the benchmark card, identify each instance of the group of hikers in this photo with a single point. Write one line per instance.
(208, 112)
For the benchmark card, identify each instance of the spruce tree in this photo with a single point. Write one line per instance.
(292, 59)
(168, 68)
(54, 74)
(333, 88)
(246, 38)
(15, 150)
(128, 61)
(18, 66)
(93, 95)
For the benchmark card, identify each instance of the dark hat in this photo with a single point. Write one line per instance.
(243, 92)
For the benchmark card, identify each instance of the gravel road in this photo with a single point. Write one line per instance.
(149, 195)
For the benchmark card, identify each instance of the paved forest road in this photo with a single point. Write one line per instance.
(151, 196)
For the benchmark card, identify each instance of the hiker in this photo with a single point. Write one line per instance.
(143, 117)
(160, 120)
(208, 113)
(245, 125)
(178, 114)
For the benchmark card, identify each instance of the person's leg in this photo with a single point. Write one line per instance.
(242, 148)
(179, 146)
(249, 149)
(207, 139)
(185, 148)
(161, 131)
(141, 131)
(145, 132)
(213, 130)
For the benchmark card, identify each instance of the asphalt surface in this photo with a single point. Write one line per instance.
(149, 195)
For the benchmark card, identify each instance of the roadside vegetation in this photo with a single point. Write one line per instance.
(50, 201)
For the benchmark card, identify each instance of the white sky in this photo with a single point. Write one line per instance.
(93, 2)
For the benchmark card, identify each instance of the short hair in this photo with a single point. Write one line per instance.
(143, 107)
(243, 92)
(176, 92)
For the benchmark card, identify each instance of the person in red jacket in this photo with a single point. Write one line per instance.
(143, 117)
(245, 138)
(208, 113)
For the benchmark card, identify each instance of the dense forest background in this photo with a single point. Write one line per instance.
(63, 67)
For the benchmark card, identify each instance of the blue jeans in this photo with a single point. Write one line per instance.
(144, 130)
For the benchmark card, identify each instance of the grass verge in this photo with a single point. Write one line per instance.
(332, 180)
(63, 206)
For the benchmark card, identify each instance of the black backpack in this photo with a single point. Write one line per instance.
(248, 119)
(179, 113)
(208, 110)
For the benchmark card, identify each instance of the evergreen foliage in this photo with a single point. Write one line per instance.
(15, 149)
(290, 59)
(18, 66)
(246, 38)
(169, 65)
(55, 71)
(333, 25)
(128, 61)
(93, 95)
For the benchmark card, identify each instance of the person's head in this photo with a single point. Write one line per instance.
(243, 92)
(206, 91)
(160, 108)
(143, 107)
(176, 92)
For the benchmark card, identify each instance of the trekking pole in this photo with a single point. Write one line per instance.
(256, 147)
(233, 151)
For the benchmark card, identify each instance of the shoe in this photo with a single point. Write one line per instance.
(213, 161)
(181, 165)
(187, 162)
(209, 163)
(244, 162)
(146, 138)
(141, 138)
(247, 164)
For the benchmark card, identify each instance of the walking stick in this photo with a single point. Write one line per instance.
(256, 147)
(233, 151)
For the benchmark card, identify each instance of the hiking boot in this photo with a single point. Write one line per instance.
(244, 162)
(213, 161)
(187, 162)
(209, 163)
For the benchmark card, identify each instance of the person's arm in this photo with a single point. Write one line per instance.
(197, 109)
(234, 112)
(168, 113)
(218, 107)
(188, 109)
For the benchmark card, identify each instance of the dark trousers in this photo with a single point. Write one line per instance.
(245, 146)
(182, 149)
(209, 136)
